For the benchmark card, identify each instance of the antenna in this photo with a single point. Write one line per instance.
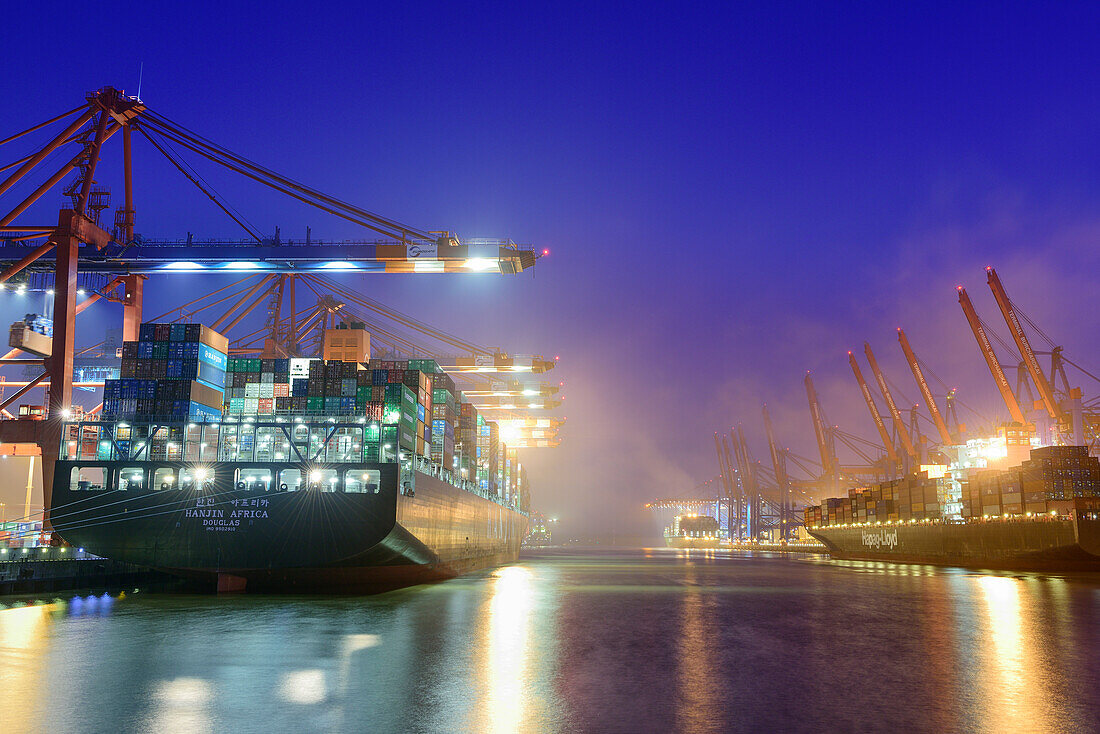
(141, 69)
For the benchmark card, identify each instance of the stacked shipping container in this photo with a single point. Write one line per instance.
(916, 497)
(1052, 477)
(171, 371)
(182, 371)
(253, 386)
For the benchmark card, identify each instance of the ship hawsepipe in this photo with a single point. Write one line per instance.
(241, 523)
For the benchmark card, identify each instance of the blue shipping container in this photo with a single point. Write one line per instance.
(198, 411)
(210, 375)
(213, 357)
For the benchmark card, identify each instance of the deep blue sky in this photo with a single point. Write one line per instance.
(732, 196)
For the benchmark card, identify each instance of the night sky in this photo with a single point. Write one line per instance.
(731, 197)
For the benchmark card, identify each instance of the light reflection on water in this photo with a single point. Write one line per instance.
(698, 678)
(626, 641)
(501, 700)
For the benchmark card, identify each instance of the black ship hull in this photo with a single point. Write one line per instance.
(1059, 545)
(308, 540)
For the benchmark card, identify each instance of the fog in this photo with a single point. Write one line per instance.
(728, 202)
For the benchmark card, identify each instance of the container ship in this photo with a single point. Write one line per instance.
(1042, 515)
(336, 473)
(693, 531)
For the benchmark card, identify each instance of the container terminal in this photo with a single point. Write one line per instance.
(1021, 493)
(342, 445)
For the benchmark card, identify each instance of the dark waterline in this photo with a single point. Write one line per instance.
(618, 641)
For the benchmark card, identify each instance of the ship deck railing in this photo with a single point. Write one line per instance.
(1034, 517)
(421, 463)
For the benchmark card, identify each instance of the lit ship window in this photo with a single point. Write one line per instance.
(87, 478)
(130, 478)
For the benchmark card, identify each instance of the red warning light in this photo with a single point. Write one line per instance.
(546, 251)
(556, 358)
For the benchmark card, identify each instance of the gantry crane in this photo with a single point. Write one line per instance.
(899, 425)
(1031, 362)
(835, 476)
(991, 361)
(729, 487)
(737, 516)
(782, 479)
(876, 416)
(401, 249)
(830, 466)
(925, 391)
(1069, 426)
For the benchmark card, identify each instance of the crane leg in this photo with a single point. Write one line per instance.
(133, 296)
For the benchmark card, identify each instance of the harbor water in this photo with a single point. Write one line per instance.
(660, 640)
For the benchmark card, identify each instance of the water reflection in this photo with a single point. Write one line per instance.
(504, 673)
(23, 636)
(181, 704)
(1016, 684)
(583, 641)
(699, 646)
(91, 605)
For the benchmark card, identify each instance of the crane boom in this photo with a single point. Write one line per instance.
(723, 469)
(1046, 392)
(925, 391)
(876, 416)
(733, 470)
(747, 470)
(895, 414)
(991, 360)
(828, 462)
(777, 462)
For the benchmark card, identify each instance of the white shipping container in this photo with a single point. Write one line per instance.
(299, 367)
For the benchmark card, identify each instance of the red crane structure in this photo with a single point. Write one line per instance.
(990, 356)
(876, 416)
(81, 242)
(925, 391)
(899, 425)
(1031, 361)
